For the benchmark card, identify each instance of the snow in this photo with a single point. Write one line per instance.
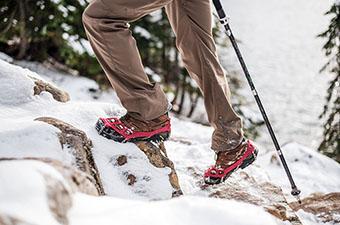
(16, 140)
(155, 77)
(5, 57)
(21, 136)
(9, 92)
(187, 210)
(156, 16)
(312, 171)
(143, 32)
(30, 205)
(280, 46)
(20, 129)
(80, 45)
(79, 88)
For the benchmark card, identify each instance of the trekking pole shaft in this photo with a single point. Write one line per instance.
(224, 21)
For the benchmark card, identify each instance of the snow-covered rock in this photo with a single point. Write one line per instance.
(325, 206)
(57, 94)
(79, 145)
(33, 192)
(24, 136)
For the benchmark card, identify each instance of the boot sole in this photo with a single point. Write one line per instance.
(111, 134)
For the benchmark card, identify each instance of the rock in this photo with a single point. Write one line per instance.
(245, 188)
(121, 160)
(158, 158)
(324, 206)
(59, 198)
(58, 191)
(81, 145)
(58, 95)
(78, 180)
(132, 179)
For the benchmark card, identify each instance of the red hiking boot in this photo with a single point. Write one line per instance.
(229, 161)
(130, 129)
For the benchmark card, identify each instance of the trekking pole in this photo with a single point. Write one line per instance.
(224, 19)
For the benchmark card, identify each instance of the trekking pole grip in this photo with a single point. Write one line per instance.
(219, 8)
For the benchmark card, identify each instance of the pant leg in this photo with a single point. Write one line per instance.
(107, 28)
(191, 21)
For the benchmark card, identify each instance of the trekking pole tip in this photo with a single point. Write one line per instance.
(296, 193)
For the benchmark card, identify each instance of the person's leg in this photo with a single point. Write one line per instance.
(107, 28)
(191, 21)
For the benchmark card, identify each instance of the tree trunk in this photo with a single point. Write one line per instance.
(177, 74)
(22, 29)
(180, 106)
(194, 100)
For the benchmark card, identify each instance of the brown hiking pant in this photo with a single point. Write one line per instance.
(107, 28)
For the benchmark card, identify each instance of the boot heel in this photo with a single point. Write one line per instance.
(250, 159)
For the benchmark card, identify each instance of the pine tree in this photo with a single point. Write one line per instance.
(330, 145)
(46, 29)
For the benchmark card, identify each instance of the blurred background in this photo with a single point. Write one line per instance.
(291, 48)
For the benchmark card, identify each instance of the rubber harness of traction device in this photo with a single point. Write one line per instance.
(221, 173)
(117, 125)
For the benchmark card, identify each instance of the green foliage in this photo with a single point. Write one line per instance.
(35, 30)
(330, 145)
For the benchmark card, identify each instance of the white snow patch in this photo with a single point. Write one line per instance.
(143, 32)
(6, 57)
(313, 172)
(16, 87)
(187, 210)
(23, 191)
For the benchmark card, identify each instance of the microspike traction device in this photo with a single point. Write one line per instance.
(216, 175)
(113, 128)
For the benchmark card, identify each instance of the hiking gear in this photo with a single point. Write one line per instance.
(229, 161)
(224, 19)
(129, 129)
(106, 25)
